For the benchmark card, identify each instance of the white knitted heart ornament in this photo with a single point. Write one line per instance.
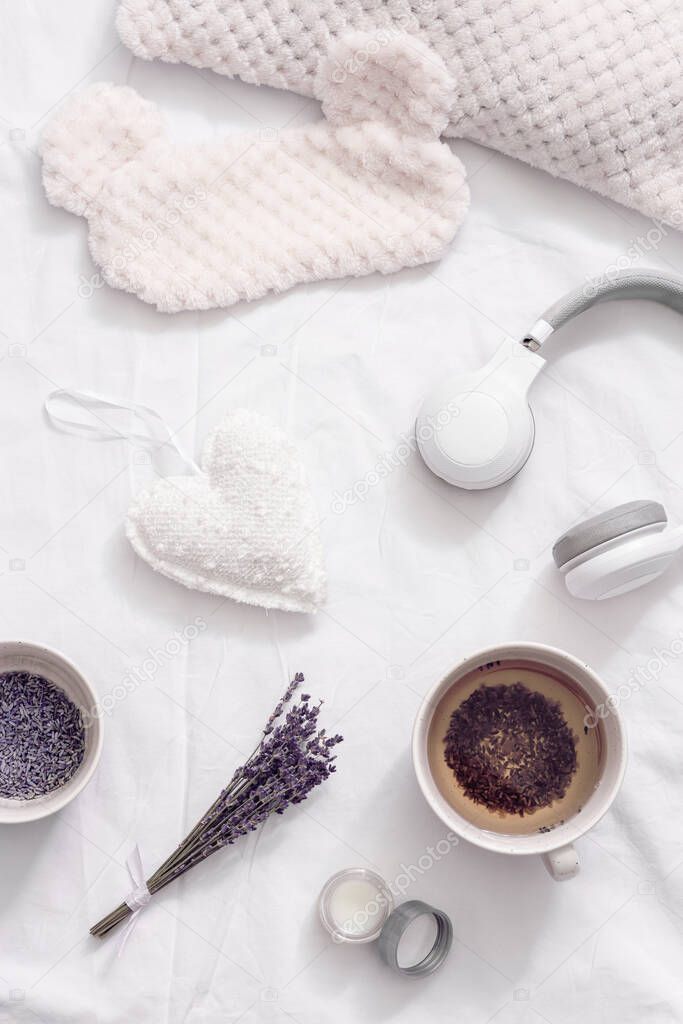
(245, 527)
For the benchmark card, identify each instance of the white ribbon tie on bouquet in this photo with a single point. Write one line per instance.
(139, 896)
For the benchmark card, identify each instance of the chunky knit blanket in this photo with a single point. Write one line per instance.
(589, 90)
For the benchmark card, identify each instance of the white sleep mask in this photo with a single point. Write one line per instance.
(242, 525)
(369, 188)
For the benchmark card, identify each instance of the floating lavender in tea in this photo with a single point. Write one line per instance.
(508, 749)
(42, 736)
(511, 748)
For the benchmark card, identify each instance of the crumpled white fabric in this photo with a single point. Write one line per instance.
(419, 576)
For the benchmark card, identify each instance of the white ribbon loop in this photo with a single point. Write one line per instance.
(155, 435)
(139, 896)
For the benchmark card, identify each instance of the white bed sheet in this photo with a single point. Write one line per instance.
(420, 574)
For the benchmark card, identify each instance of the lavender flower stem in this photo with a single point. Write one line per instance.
(292, 758)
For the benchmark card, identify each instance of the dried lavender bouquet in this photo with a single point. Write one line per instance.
(292, 758)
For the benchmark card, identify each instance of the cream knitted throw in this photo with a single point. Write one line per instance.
(590, 90)
(370, 188)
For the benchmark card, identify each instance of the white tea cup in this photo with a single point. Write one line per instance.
(556, 846)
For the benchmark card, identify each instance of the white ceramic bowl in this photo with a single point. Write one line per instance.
(22, 656)
(556, 845)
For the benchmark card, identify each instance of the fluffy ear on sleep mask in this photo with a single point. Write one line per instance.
(242, 525)
(369, 188)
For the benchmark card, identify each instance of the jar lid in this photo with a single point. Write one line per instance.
(356, 906)
(398, 923)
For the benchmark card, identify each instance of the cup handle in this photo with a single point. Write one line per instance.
(562, 864)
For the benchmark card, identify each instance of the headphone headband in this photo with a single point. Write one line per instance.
(629, 284)
(489, 436)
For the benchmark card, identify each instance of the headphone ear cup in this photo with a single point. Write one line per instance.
(607, 529)
(476, 430)
(638, 560)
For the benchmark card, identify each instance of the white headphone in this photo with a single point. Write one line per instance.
(476, 430)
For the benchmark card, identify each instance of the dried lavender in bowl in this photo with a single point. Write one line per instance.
(292, 758)
(42, 736)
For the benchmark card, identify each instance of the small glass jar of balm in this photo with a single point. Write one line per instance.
(356, 906)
